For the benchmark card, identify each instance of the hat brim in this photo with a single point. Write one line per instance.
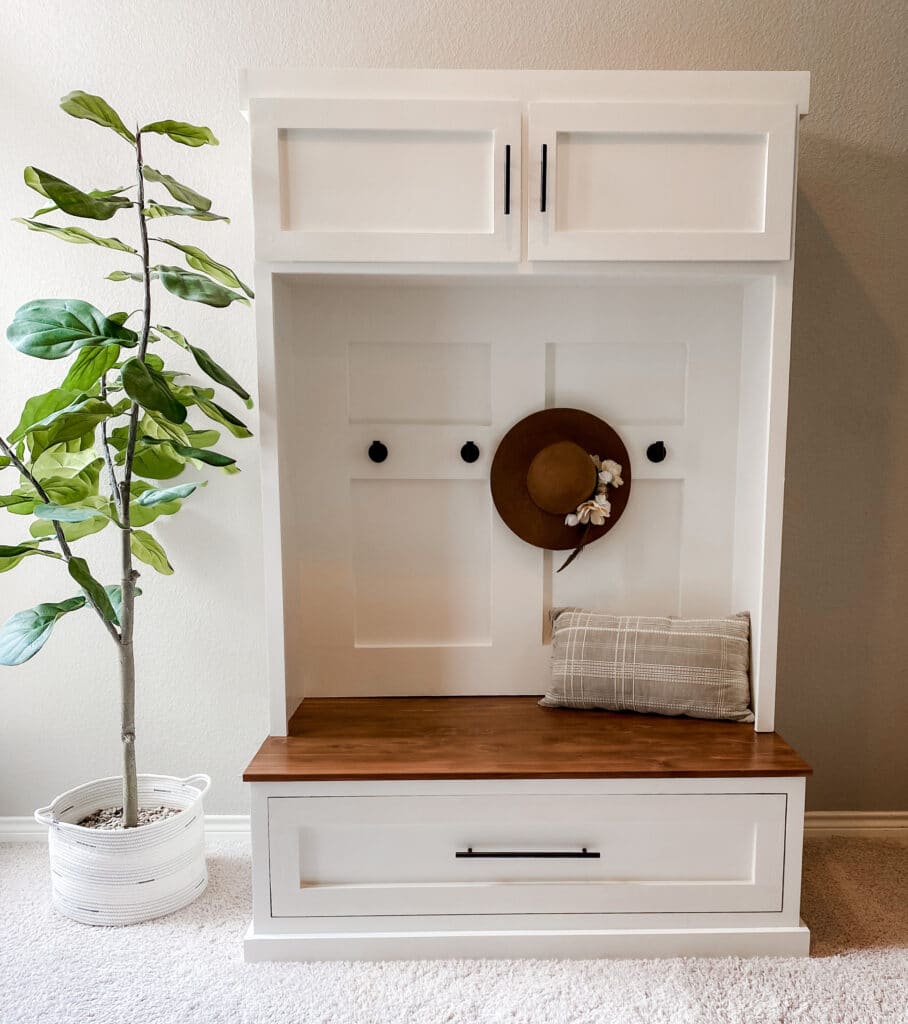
(519, 446)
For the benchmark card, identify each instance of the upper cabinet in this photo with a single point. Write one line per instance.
(456, 167)
(387, 179)
(660, 181)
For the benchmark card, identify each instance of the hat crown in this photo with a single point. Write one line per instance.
(560, 477)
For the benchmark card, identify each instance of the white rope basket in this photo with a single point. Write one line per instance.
(127, 875)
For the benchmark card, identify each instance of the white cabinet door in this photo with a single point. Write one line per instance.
(389, 180)
(668, 181)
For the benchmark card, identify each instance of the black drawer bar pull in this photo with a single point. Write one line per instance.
(549, 854)
(543, 174)
(507, 180)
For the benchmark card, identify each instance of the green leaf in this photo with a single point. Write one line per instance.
(158, 463)
(67, 490)
(157, 497)
(78, 235)
(62, 464)
(95, 193)
(54, 328)
(78, 569)
(221, 415)
(67, 513)
(146, 386)
(206, 364)
(197, 287)
(90, 365)
(155, 210)
(198, 259)
(203, 438)
(25, 633)
(74, 421)
(180, 131)
(199, 454)
(182, 193)
(5, 461)
(12, 554)
(72, 200)
(148, 550)
(158, 425)
(124, 275)
(93, 108)
(44, 528)
(115, 593)
(120, 318)
(21, 502)
(39, 406)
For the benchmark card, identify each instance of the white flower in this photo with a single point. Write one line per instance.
(592, 511)
(572, 519)
(606, 477)
(610, 466)
(603, 503)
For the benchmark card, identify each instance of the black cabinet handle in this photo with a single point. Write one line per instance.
(583, 854)
(543, 176)
(507, 180)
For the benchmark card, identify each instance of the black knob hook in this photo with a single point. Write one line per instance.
(469, 452)
(656, 452)
(378, 452)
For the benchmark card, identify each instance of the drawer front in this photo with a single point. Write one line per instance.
(560, 854)
(670, 181)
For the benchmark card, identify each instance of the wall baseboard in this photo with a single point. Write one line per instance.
(816, 823)
(871, 823)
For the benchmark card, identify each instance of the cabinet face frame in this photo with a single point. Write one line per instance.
(547, 122)
(273, 121)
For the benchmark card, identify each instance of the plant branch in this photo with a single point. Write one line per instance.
(58, 530)
(108, 460)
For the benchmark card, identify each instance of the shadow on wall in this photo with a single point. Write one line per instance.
(843, 698)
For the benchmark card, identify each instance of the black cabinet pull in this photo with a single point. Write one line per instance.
(378, 452)
(543, 183)
(507, 180)
(583, 854)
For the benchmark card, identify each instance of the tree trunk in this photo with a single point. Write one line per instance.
(128, 735)
(129, 574)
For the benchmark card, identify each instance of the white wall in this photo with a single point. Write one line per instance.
(201, 705)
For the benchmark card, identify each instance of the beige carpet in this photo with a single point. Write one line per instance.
(188, 969)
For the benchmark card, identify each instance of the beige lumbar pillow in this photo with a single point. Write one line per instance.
(663, 666)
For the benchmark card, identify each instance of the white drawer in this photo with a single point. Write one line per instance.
(368, 856)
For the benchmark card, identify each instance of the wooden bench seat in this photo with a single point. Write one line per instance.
(386, 738)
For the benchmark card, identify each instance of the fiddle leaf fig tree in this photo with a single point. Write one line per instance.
(99, 451)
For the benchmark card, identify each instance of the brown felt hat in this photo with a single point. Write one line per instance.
(542, 471)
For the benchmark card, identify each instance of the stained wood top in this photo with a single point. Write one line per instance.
(375, 738)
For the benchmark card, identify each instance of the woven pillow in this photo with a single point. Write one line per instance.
(663, 666)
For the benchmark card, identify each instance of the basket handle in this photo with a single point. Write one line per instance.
(200, 782)
(44, 816)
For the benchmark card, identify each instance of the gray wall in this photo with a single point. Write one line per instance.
(844, 646)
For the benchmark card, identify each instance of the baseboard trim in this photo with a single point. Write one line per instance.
(872, 823)
(855, 822)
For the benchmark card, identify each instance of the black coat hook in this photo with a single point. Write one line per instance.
(469, 452)
(656, 452)
(378, 452)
